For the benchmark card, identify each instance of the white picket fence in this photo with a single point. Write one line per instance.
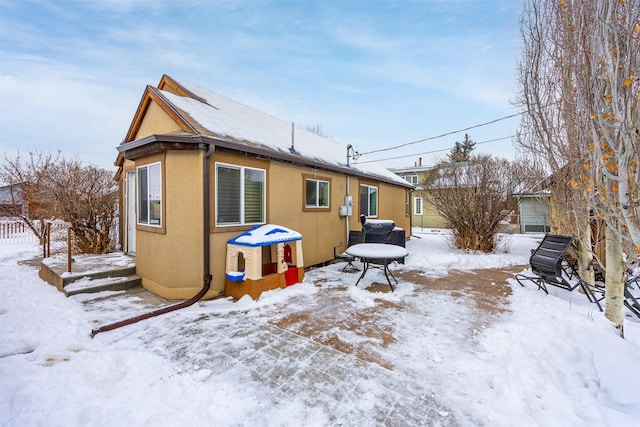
(14, 232)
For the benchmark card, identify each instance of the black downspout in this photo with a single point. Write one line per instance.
(206, 258)
(206, 209)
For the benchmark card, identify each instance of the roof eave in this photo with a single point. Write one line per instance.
(154, 143)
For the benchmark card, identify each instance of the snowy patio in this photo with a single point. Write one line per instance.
(449, 347)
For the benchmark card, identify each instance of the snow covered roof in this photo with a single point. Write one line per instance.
(222, 117)
(414, 169)
(265, 235)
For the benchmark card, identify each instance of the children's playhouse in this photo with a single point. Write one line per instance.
(264, 258)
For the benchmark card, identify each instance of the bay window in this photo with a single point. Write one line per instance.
(150, 195)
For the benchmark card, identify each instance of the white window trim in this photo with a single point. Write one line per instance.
(148, 223)
(369, 187)
(418, 206)
(242, 200)
(413, 179)
(317, 204)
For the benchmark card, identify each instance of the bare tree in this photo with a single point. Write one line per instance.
(318, 130)
(86, 196)
(581, 91)
(543, 136)
(25, 178)
(603, 41)
(53, 187)
(608, 96)
(474, 198)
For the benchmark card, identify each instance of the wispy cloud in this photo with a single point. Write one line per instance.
(57, 106)
(74, 72)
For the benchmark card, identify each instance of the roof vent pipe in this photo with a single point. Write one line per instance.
(292, 149)
(206, 255)
(351, 154)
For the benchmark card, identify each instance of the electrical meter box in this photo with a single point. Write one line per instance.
(348, 201)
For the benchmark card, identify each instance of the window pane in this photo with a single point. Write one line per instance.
(143, 196)
(240, 195)
(323, 194)
(417, 209)
(155, 194)
(407, 204)
(373, 201)
(253, 196)
(364, 200)
(311, 193)
(228, 203)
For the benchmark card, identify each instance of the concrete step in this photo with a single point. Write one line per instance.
(90, 273)
(99, 274)
(87, 284)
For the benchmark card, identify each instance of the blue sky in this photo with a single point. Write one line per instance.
(373, 74)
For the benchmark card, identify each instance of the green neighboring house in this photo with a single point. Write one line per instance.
(534, 211)
(423, 212)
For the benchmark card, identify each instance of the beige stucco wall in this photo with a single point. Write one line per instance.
(170, 259)
(156, 121)
(321, 230)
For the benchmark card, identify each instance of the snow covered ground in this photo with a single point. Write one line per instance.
(541, 360)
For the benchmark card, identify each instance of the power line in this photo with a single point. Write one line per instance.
(444, 134)
(430, 152)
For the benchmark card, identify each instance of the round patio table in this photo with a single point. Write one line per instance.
(377, 255)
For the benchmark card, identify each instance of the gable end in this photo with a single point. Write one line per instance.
(153, 94)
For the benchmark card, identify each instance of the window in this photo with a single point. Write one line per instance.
(369, 200)
(150, 195)
(417, 205)
(413, 179)
(407, 204)
(316, 193)
(240, 195)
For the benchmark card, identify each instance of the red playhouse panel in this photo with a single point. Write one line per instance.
(291, 276)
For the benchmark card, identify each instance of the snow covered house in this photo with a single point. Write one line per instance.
(196, 169)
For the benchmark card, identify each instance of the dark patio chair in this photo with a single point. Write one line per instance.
(355, 237)
(632, 294)
(550, 267)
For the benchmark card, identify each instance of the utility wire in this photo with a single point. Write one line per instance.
(429, 152)
(444, 134)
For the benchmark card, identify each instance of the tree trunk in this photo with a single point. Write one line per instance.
(585, 254)
(614, 284)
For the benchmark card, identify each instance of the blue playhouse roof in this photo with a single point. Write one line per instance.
(265, 235)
